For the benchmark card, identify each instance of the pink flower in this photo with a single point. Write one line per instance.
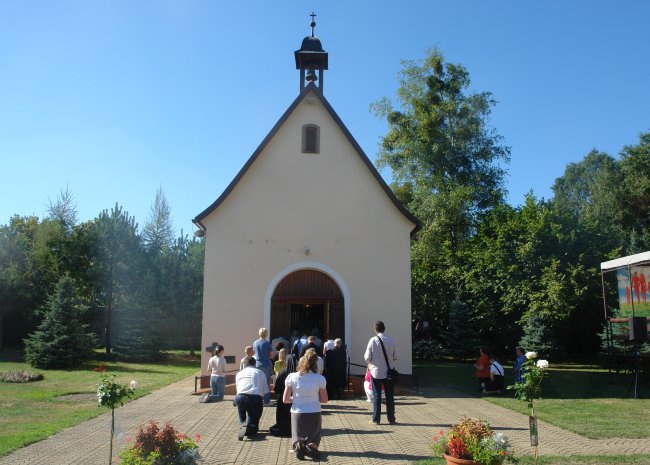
(128, 439)
(197, 438)
(435, 439)
(441, 433)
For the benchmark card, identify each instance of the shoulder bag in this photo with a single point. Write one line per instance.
(393, 374)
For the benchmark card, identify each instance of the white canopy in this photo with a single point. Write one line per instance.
(626, 261)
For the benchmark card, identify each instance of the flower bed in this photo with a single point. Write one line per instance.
(20, 376)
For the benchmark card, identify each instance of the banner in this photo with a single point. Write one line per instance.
(634, 291)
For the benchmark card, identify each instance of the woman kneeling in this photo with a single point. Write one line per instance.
(306, 390)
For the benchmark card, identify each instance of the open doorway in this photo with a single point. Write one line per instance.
(308, 318)
(304, 301)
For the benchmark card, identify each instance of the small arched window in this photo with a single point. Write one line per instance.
(310, 138)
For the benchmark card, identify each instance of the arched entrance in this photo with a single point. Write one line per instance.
(306, 300)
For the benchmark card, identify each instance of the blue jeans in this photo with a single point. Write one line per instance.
(249, 409)
(267, 369)
(217, 387)
(376, 399)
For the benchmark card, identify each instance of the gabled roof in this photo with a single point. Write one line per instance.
(309, 87)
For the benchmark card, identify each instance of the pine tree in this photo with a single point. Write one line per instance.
(136, 329)
(538, 336)
(158, 232)
(62, 340)
(461, 338)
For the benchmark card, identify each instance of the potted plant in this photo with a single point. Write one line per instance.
(161, 446)
(472, 442)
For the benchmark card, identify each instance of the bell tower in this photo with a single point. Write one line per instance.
(311, 57)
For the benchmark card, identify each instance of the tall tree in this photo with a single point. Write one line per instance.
(158, 231)
(439, 143)
(17, 290)
(448, 168)
(116, 252)
(635, 166)
(64, 209)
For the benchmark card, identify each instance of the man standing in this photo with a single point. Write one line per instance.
(251, 387)
(376, 357)
(263, 354)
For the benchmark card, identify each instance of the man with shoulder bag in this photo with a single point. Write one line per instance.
(380, 356)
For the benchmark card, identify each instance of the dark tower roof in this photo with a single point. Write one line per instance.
(311, 57)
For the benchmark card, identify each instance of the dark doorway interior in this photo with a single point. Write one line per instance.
(305, 300)
(307, 317)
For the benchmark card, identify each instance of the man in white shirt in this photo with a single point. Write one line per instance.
(328, 345)
(496, 382)
(376, 361)
(251, 388)
(248, 352)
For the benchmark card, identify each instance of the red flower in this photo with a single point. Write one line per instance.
(457, 448)
(435, 439)
(197, 438)
(441, 433)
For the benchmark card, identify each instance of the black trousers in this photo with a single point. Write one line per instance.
(249, 408)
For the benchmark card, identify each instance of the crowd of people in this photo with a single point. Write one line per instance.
(304, 377)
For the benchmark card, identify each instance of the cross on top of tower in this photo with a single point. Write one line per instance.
(313, 23)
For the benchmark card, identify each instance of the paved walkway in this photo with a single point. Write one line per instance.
(347, 436)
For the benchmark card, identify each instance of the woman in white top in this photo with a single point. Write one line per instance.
(217, 367)
(306, 390)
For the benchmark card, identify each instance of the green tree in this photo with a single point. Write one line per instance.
(635, 166)
(16, 291)
(460, 339)
(440, 144)
(117, 260)
(158, 233)
(539, 337)
(447, 165)
(64, 209)
(62, 340)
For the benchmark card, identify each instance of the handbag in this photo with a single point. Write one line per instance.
(393, 374)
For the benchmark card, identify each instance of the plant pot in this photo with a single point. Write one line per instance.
(454, 461)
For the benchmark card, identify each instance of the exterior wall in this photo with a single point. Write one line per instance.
(287, 202)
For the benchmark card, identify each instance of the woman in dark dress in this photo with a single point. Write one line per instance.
(282, 425)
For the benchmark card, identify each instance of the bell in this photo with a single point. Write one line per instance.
(311, 76)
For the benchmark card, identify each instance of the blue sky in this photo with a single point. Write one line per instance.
(116, 99)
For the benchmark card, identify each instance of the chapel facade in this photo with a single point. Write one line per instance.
(307, 237)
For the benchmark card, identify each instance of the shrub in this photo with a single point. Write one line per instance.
(166, 446)
(62, 340)
(20, 376)
(426, 350)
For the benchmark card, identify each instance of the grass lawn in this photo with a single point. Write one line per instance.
(578, 398)
(33, 411)
(571, 460)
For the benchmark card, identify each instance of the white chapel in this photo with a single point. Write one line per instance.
(307, 236)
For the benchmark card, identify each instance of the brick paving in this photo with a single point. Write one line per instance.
(347, 435)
